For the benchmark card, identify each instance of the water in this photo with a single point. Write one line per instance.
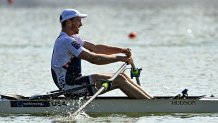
(176, 46)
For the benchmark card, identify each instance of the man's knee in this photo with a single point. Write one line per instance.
(121, 79)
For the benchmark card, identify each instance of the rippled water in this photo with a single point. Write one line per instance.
(176, 46)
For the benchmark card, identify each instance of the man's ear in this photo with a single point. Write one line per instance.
(68, 22)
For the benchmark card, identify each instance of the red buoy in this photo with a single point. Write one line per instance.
(132, 35)
(10, 1)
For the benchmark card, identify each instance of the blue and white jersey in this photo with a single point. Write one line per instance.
(64, 63)
(65, 48)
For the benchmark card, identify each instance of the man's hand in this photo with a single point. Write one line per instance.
(127, 52)
(125, 59)
(129, 60)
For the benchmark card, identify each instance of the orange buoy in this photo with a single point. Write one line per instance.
(132, 35)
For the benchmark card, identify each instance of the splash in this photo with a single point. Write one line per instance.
(82, 116)
(70, 116)
(79, 115)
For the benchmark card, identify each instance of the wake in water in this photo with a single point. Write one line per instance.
(82, 117)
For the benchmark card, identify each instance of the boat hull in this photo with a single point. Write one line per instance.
(110, 105)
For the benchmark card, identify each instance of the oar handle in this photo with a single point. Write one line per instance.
(134, 68)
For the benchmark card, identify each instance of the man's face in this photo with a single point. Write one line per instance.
(76, 24)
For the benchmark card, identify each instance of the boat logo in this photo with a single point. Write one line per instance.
(184, 102)
(58, 103)
(30, 104)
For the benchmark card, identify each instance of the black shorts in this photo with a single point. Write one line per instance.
(78, 82)
(64, 83)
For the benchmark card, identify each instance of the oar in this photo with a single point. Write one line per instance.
(104, 86)
(57, 93)
(134, 68)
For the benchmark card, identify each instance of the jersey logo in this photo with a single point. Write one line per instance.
(75, 44)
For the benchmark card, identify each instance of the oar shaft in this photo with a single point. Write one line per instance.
(118, 72)
(89, 101)
(121, 69)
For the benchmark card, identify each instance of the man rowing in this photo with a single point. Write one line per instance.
(69, 49)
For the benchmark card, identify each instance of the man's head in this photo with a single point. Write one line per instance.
(71, 18)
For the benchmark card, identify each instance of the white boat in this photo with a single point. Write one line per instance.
(103, 105)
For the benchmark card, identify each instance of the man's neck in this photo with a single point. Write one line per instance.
(69, 33)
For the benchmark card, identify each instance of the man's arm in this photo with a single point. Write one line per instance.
(101, 59)
(105, 49)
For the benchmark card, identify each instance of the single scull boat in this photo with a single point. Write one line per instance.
(160, 104)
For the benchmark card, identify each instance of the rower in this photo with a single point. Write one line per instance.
(69, 49)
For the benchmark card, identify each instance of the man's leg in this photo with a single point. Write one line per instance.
(122, 83)
(139, 87)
